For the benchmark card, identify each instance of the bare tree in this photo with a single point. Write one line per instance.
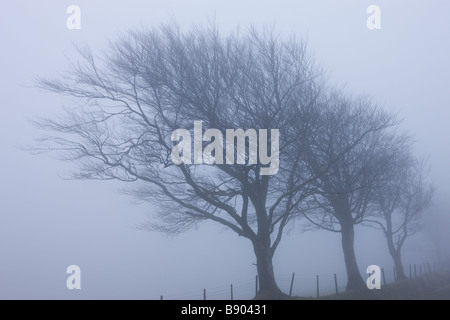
(349, 144)
(150, 83)
(400, 199)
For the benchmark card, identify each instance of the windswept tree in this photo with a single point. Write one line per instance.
(348, 147)
(400, 200)
(154, 93)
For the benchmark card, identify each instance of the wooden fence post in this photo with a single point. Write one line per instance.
(204, 294)
(384, 277)
(292, 284)
(231, 287)
(335, 284)
(317, 284)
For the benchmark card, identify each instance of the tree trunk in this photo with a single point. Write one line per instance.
(396, 256)
(355, 281)
(399, 266)
(268, 288)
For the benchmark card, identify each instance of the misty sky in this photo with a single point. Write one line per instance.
(48, 223)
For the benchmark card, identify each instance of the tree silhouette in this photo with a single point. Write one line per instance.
(350, 147)
(149, 83)
(400, 200)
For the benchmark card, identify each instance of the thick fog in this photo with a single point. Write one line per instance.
(48, 222)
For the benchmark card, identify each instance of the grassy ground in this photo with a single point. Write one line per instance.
(430, 286)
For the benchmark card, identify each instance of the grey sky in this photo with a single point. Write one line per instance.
(47, 223)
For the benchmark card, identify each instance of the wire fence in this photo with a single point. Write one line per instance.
(296, 284)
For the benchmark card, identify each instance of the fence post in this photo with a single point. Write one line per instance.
(335, 284)
(256, 285)
(292, 284)
(384, 277)
(410, 274)
(317, 284)
(204, 294)
(415, 271)
(420, 270)
(434, 266)
(395, 274)
(162, 298)
(231, 287)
